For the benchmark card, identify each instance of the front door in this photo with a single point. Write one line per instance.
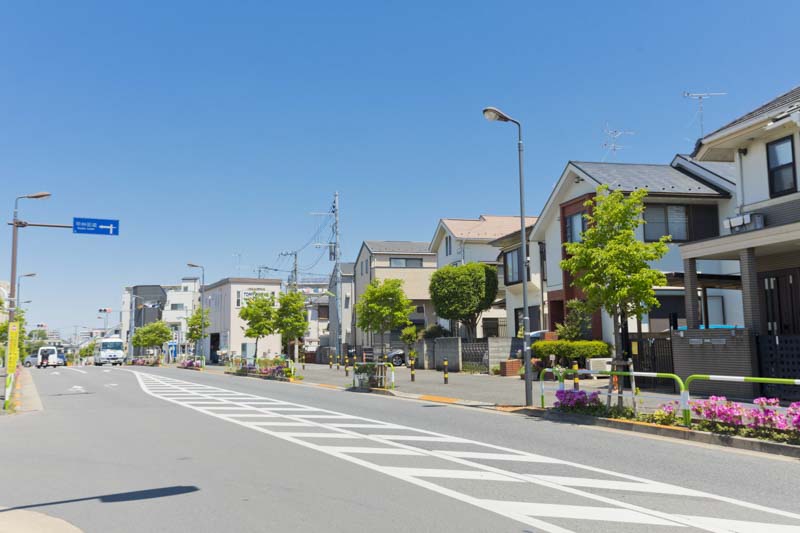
(214, 347)
(780, 299)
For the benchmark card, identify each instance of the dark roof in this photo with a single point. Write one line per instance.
(726, 171)
(348, 269)
(512, 238)
(401, 247)
(657, 179)
(776, 103)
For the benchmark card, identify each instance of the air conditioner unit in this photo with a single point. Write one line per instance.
(746, 222)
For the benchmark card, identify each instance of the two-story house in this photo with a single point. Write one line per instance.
(762, 234)
(684, 201)
(411, 262)
(458, 241)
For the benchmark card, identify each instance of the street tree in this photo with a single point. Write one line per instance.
(291, 320)
(260, 316)
(409, 336)
(383, 307)
(610, 265)
(87, 350)
(153, 335)
(463, 292)
(197, 326)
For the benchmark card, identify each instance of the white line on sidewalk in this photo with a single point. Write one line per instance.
(75, 369)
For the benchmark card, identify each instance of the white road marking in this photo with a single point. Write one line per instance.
(580, 512)
(312, 435)
(75, 369)
(54, 373)
(369, 450)
(501, 453)
(417, 438)
(450, 473)
(106, 371)
(743, 526)
(110, 385)
(611, 484)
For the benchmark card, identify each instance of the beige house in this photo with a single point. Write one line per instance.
(412, 263)
(458, 241)
(762, 235)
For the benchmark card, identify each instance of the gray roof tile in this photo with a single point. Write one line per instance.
(402, 247)
(657, 179)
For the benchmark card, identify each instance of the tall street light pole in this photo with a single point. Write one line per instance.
(494, 114)
(16, 224)
(202, 307)
(19, 287)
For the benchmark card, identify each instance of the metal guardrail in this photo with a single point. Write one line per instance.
(687, 414)
(683, 385)
(387, 365)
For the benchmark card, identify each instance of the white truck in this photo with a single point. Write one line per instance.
(48, 356)
(109, 350)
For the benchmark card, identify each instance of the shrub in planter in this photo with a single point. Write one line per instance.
(568, 351)
(579, 402)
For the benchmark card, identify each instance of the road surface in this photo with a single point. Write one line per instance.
(174, 450)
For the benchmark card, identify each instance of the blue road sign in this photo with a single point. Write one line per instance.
(95, 226)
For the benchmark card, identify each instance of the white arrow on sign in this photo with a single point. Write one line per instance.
(110, 228)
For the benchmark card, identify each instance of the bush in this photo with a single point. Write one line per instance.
(434, 331)
(496, 370)
(567, 351)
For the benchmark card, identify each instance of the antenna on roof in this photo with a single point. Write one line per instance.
(700, 97)
(611, 145)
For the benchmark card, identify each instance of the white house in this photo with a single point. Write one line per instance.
(224, 299)
(685, 199)
(458, 241)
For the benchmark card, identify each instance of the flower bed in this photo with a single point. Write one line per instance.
(277, 369)
(192, 364)
(144, 361)
(716, 415)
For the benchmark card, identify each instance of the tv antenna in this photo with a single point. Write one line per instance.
(700, 97)
(611, 145)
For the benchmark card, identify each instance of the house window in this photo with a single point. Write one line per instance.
(421, 309)
(347, 301)
(176, 307)
(543, 260)
(682, 222)
(576, 224)
(405, 262)
(448, 245)
(238, 298)
(512, 263)
(322, 312)
(780, 166)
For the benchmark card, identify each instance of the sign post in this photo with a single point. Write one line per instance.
(95, 226)
(11, 363)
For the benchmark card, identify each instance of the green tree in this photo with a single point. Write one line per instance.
(197, 326)
(463, 292)
(576, 322)
(610, 265)
(409, 336)
(36, 339)
(87, 350)
(383, 307)
(291, 320)
(260, 315)
(153, 335)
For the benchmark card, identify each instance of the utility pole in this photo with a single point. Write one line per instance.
(293, 284)
(337, 257)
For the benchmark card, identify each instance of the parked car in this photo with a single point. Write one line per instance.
(31, 360)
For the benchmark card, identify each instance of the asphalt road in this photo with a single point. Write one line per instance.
(173, 450)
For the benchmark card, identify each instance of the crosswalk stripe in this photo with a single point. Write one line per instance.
(739, 526)
(369, 450)
(326, 435)
(417, 438)
(612, 484)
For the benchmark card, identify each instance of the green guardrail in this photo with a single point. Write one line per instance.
(687, 414)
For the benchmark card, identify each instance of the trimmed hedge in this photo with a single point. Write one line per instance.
(566, 351)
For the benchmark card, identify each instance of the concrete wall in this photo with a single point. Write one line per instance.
(721, 352)
(504, 348)
(450, 348)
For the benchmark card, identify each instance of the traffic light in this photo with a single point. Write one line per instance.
(104, 310)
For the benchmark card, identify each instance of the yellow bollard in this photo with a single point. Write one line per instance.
(576, 382)
(346, 362)
(446, 374)
(337, 362)
(413, 373)
(330, 361)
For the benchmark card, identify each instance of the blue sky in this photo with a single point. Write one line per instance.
(215, 128)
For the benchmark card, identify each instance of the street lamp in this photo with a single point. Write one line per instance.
(494, 114)
(16, 223)
(202, 307)
(19, 285)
